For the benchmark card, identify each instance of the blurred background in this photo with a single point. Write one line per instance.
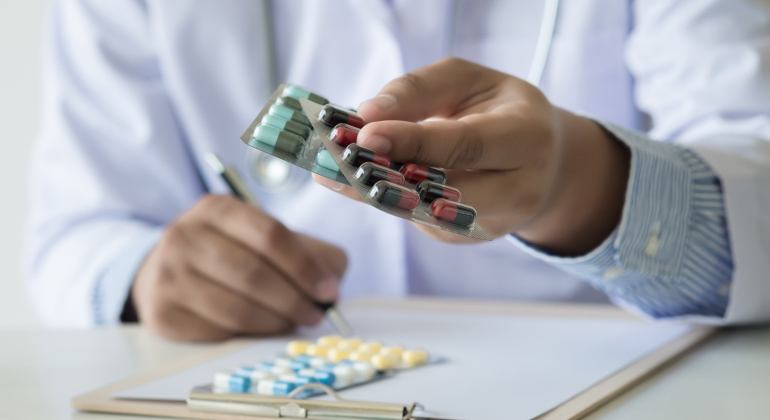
(21, 24)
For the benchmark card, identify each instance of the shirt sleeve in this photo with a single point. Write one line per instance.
(670, 256)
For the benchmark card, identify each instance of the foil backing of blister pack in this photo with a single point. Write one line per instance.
(305, 158)
(421, 214)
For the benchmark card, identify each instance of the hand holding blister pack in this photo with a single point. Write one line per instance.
(304, 129)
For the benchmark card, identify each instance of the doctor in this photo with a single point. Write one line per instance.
(137, 92)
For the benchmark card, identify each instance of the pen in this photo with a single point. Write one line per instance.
(234, 181)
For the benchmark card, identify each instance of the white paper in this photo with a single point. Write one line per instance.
(499, 366)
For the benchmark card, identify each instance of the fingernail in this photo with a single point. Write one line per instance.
(314, 317)
(384, 101)
(378, 143)
(326, 289)
(328, 183)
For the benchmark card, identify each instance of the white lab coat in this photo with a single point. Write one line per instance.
(137, 93)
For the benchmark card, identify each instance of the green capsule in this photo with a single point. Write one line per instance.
(324, 158)
(284, 124)
(289, 114)
(298, 92)
(279, 139)
(290, 102)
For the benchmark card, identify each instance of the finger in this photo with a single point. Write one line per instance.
(440, 89)
(225, 309)
(334, 256)
(271, 239)
(247, 273)
(177, 323)
(338, 187)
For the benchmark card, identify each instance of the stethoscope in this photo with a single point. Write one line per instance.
(276, 175)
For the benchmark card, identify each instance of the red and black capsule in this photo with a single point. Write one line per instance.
(455, 213)
(357, 155)
(332, 115)
(394, 195)
(344, 134)
(416, 173)
(369, 173)
(430, 191)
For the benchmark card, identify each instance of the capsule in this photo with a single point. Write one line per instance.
(289, 114)
(284, 124)
(357, 155)
(394, 195)
(349, 344)
(417, 173)
(272, 387)
(326, 378)
(455, 213)
(290, 102)
(274, 369)
(412, 358)
(294, 365)
(317, 350)
(384, 362)
(325, 159)
(281, 140)
(370, 347)
(332, 115)
(430, 191)
(295, 379)
(297, 347)
(254, 374)
(364, 371)
(360, 356)
(336, 355)
(369, 173)
(298, 92)
(344, 134)
(232, 382)
(394, 351)
(328, 340)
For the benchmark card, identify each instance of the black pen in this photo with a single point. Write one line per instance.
(234, 181)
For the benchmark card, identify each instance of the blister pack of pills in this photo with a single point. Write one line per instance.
(410, 191)
(336, 362)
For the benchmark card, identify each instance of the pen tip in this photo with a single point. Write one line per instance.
(215, 163)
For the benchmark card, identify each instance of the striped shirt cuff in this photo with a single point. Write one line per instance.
(670, 256)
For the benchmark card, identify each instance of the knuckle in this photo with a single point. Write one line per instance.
(414, 83)
(274, 232)
(468, 150)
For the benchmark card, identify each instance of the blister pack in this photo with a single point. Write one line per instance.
(409, 191)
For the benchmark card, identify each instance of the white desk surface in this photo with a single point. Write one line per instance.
(40, 371)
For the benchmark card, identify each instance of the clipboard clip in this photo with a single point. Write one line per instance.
(293, 407)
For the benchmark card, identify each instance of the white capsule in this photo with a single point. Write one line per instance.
(274, 387)
(344, 375)
(364, 371)
(317, 362)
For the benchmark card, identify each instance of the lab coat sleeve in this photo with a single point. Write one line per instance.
(702, 73)
(110, 167)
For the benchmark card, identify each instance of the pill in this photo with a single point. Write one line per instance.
(298, 92)
(289, 114)
(294, 365)
(296, 379)
(326, 378)
(254, 374)
(417, 173)
(360, 356)
(396, 166)
(272, 387)
(317, 350)
(394, 195)
(332, 115)
(317, 362)
(394, 351)
(328, 340)
(369, 173)
(344, 375)
(412, 358)
(279, 139)
(324, 159)
(335, 355)
(272, 368)
(284, 124)
(290, 102)
(384, 362)
(357, 155)
(364, 371)
(232, 382)
(370, 347)
(297, 347)
(344, 134)
(429, 191)
(456, 213)
(326, 367)
(349, 344)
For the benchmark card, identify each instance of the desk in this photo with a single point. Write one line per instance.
(40, 371)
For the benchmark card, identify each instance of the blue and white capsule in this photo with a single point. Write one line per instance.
(298, 92)
(274, 369)
(326, 378)
(289, 114)
(232, 382)
(296, 379)
(287, 125)
(324, 158)
(270, 387)
(294, 365)
(254, 374)
(278, 139)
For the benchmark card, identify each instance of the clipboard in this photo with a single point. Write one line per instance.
(574, 408)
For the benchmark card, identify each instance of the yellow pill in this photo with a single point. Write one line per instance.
(350, 344)
(336, 355)
(360, 356)
(316, 350)
(383, 362)
(414, 358)
(297, 347)
(394, 351)
(328, 340)
(372, 347)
